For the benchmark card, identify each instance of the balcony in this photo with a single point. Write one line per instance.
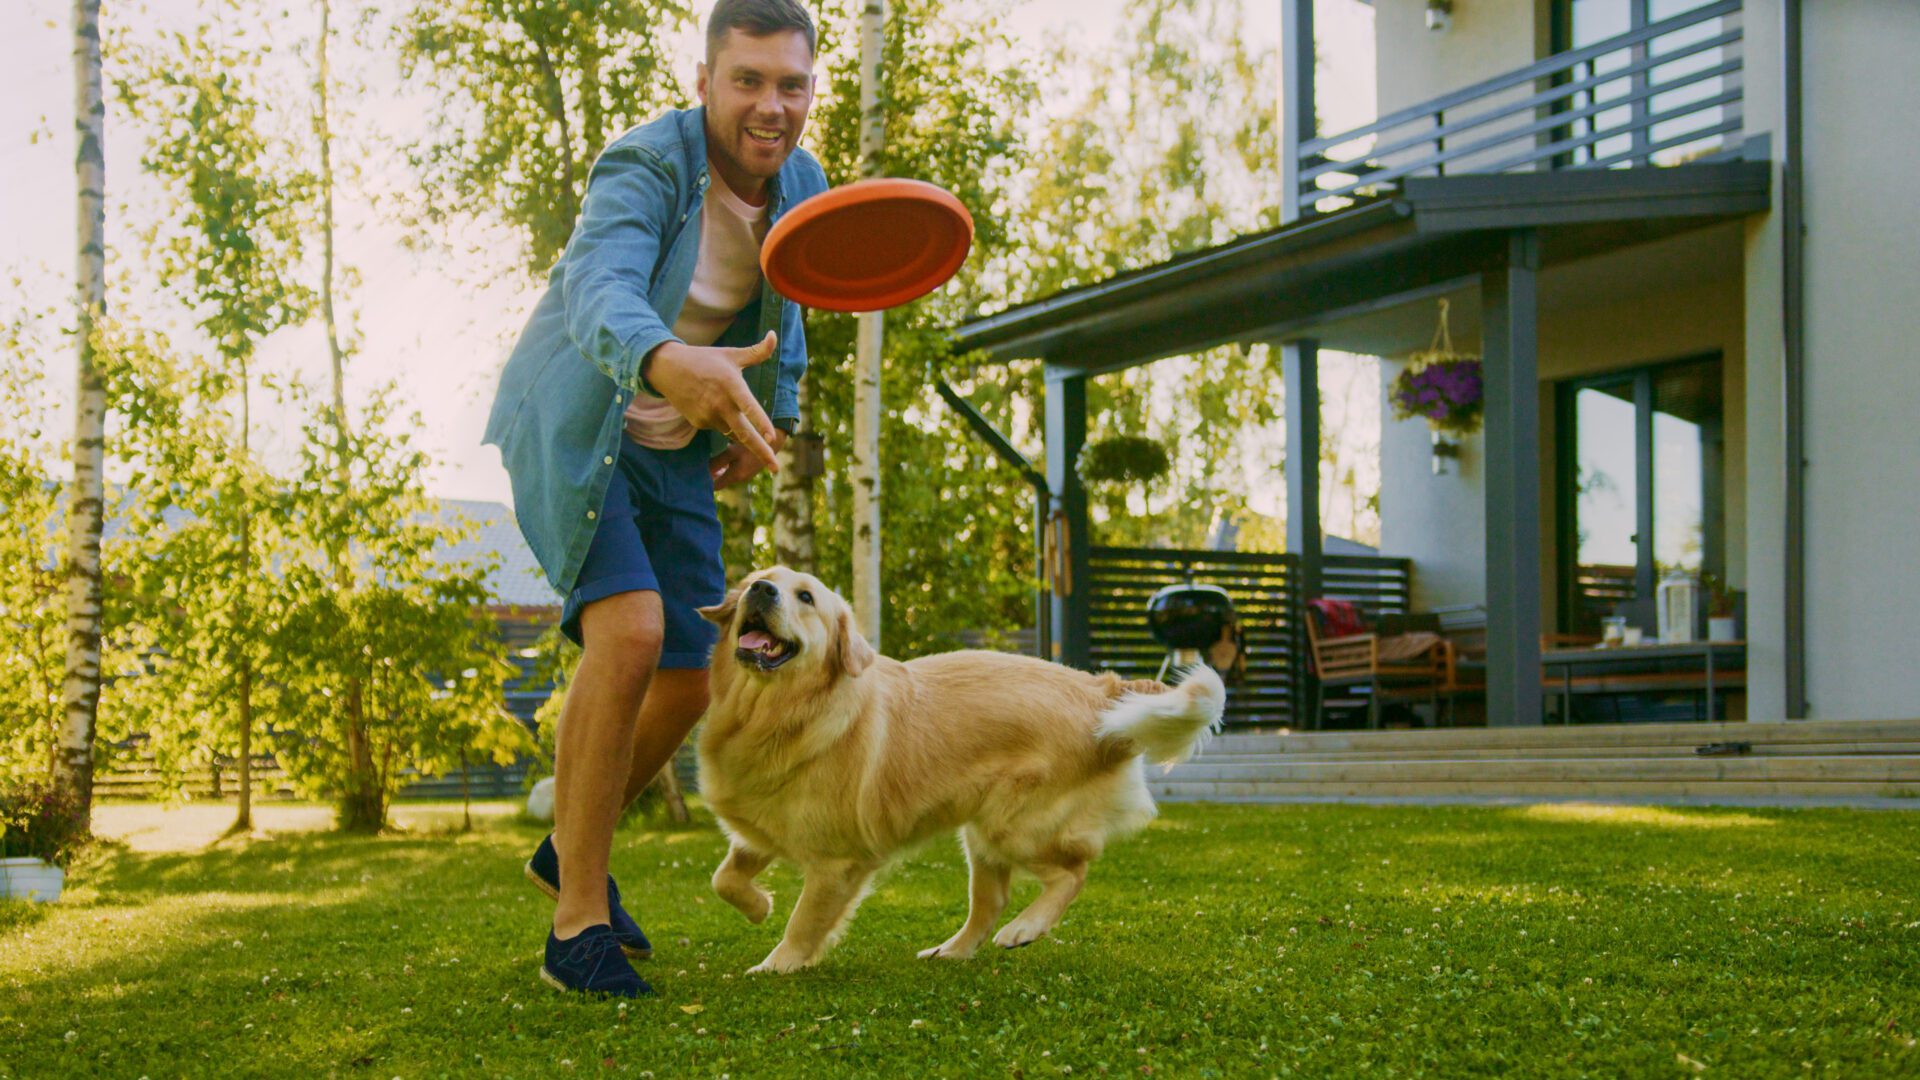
(1666, 93)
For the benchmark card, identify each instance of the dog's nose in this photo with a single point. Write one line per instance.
(763, 592)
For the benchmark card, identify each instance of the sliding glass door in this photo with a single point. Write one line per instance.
(1639, 487)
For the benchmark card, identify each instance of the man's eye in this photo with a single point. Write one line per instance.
(806, 597)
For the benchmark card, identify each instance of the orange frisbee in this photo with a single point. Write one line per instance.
(867, 246)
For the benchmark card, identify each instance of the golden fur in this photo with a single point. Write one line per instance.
(839, 760)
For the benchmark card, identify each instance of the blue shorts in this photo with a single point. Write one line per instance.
(658, 531)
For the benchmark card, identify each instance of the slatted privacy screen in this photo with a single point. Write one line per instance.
(1262, 588)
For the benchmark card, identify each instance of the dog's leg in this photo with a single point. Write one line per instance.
(1060, 883)
(733, 881)
(988, 881)
(827, 900)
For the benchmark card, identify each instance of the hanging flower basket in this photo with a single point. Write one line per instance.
(1440, 385)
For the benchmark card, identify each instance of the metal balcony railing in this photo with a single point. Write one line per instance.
(1666, 93)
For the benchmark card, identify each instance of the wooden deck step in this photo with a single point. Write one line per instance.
(1681, 750)
(1846, 768)
(1260, 791)
(1843, 759)
(1550, 736)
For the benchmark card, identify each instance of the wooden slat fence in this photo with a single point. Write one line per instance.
(1262, 588)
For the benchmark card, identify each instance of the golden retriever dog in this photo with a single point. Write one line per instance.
(818, 751)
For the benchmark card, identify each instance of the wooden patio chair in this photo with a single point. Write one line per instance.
(1352, 663)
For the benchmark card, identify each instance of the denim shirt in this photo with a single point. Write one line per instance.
(612, 298)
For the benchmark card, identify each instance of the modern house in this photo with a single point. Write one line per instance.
(1681, 236)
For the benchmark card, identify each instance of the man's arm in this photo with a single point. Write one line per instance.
(610, 260)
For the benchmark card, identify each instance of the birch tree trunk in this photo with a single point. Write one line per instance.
(793, 497)
(865, 471)
(363, 810)
(80, 691)
(243, 618)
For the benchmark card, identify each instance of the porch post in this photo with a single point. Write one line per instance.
(1300, 374)
(1300, 371)
(1512, 387)
(1296, 98)
(1066, 433)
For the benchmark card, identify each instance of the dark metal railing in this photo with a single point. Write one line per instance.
(1662, 94)
(1266, 601)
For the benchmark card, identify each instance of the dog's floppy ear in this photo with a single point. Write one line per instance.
(852, 654)
(722, 612)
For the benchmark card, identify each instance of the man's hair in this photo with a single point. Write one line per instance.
(757, 17)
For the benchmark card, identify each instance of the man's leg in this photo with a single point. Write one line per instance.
(675, 699)
(594, 745)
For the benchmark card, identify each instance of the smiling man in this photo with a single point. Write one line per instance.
(657, 367)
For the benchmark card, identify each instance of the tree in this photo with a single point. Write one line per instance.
(1127, 179)
(33, 613)
(235, 261)
(957, 559)
(73, 766)
(412, 633)
(868, 344)
(534, 90)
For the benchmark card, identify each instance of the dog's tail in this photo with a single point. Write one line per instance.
(1169, 726)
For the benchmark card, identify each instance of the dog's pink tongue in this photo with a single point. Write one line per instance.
(755, 640)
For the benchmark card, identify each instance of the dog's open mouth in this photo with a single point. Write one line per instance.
(756, 644)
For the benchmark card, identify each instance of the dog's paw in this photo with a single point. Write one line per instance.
(778, 962)
(1019, 932)
(753, 901)
(948, 950)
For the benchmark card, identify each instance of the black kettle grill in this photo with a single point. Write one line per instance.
(1186, 619)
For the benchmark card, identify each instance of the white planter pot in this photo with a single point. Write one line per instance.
(1721, 628)
(30, 879)
(540, 800)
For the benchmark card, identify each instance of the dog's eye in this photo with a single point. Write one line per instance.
(806, 597)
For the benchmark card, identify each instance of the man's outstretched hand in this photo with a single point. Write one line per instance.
(705, 385)
(737, 464)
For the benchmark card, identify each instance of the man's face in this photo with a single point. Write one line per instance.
(757, 92)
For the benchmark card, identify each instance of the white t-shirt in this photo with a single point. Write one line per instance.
(725, 280)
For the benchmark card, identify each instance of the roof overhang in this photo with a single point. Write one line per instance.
(1431, 238)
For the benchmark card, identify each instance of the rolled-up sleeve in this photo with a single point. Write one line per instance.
(609, 262)
(785, 411)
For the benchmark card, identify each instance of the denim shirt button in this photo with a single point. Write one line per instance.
(591, 515)
(608, 460)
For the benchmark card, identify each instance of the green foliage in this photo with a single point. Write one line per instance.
(179, 586)
(33, 592)
(410, 632)
(225, 611)
(233, 252)
(1168, 148)
(535, 89)
(956, 546)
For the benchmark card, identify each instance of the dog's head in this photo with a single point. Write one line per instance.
(785, 623)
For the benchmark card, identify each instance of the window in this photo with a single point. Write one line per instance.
(1639, 485)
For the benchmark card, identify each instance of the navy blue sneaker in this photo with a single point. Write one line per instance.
(544, 871)
(590, 962)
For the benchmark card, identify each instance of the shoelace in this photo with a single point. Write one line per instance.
(588, 953)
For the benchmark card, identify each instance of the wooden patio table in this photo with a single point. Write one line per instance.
(1712, 656)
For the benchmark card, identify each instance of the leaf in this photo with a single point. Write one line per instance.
(691, 1010)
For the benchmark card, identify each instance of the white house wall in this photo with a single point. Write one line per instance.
(1861, 102)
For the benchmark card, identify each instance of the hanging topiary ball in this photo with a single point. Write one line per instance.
(1123, 459)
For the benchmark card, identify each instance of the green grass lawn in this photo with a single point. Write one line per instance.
(1224, 941)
